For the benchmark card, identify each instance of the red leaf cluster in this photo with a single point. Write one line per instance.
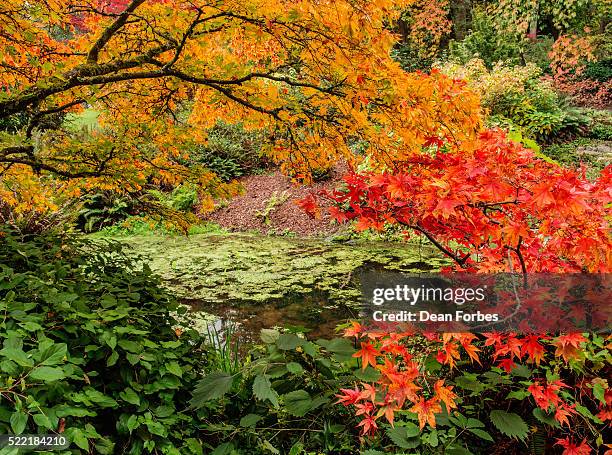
(492, 209)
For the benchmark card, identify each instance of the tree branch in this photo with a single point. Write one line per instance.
(36, 117)
(38, 166)
(94, 52)
(458, 259)
(16, 150)
(78, 76)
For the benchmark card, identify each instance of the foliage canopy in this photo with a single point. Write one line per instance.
(316, 75)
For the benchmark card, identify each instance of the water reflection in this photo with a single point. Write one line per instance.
(312, 313)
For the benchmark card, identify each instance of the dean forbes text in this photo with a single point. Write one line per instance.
(426, 316)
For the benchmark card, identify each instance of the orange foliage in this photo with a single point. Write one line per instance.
(316, 75)
(404, 380)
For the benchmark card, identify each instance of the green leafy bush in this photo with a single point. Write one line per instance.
(182, 198)
(517, 97)
(485, 42)
(37, 222)
(103, 209)
(231, 151)
(601, 131)
(492, 46)
(89, 348)
(281, 400)
(599, 71)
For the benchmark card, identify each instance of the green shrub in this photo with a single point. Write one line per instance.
(89, 346)
(599, 71)
(226, 168)
(537, 52)
(282, 399)
(37, 222)
(231, 151)
(485, 42)
(103, 209)
(601, 131)
(183, 198)
(492, 46)
(518, 97)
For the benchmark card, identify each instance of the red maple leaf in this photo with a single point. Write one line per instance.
(309, 205)
(349, 396)
(532, 348)
(542, 196)
(433, 140)
(446, 207)
(507, 364)
(573, 449)
(368, 425)
(337, 214)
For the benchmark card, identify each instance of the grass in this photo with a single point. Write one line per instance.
(86, 120)
(226, 344)
(141, 226)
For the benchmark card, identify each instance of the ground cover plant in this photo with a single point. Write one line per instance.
(477, 131)
(90, 349)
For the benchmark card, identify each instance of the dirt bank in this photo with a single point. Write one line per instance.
(268, 206)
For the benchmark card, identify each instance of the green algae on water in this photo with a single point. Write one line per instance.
(255, 269)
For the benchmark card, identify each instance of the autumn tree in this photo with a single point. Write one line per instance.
(494, 208)
(525, 16)
(428, 25)
(316, 76)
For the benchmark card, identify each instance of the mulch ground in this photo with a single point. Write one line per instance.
(244, 213)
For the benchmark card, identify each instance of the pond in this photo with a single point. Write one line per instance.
(258, 282)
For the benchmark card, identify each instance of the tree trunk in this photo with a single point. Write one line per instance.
(460, 15)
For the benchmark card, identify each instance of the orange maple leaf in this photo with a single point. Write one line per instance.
(426, 410)
(451, 349)
(445, 394)
(562, 413)
(568, 346)
(367, 354)
(355, 330)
